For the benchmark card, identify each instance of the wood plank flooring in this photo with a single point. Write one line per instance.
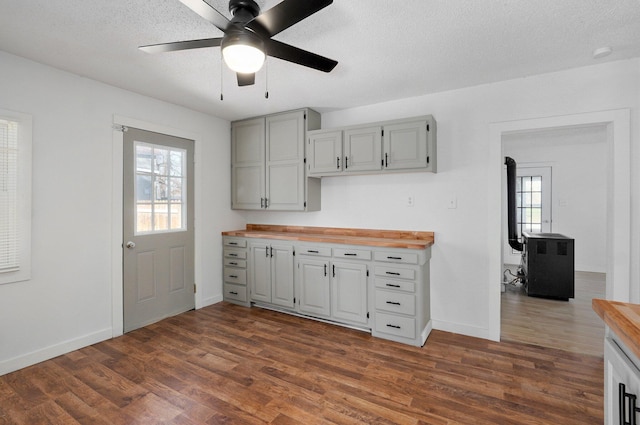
(568, 325)
(228, 364)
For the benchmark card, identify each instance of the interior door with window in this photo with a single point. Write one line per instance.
(533, 205)
(158, 248)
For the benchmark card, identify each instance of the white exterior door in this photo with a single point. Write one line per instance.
(158, 247)
(533, 205)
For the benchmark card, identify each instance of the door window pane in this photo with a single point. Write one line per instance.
(160, 188)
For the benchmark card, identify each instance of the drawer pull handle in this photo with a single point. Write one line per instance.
(394, 258)
(627, 407)
(233, 255)
(233, 276)
(389, 325)
(350, 254)
(393, 302)
(393, 273)
(393, 285)
(233, 243)
(233, 263)
(233, 293)
(313, 251)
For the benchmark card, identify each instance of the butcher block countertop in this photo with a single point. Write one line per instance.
(623, 319)
(346, 236)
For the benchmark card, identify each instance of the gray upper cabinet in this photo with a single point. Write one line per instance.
(248, 165)
(389, 146)
(268, 163)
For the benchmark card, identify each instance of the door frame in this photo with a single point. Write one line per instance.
(618, 142)
(117, 303)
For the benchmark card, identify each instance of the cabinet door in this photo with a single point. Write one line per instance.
(260, 272)
(619, 369)
(282, 275)
(247, 164)
(325, 153)
(314, 289)
(405, 145)
(349, 292)
(285, 161)
(363, 149)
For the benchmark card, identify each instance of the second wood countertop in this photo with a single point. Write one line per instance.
(623, 319)
(346, 236)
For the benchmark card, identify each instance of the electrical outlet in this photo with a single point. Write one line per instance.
(453, 203)
(410, 201)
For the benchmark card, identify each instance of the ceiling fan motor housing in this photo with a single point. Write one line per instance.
(243, 10)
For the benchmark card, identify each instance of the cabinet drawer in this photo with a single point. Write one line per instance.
(396, 325)
(396, 302)
(396, 285)
(395, 257)
(235, 263)
(359, 254)
(235, 292)
(239, 243)
(235, 275)
(235, 253)
(315, 251)
(395, 272)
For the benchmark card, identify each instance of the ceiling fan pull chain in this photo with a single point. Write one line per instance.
(221, 85)
(266, 79)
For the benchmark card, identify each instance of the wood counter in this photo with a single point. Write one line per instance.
(623, 319)
(347, 236)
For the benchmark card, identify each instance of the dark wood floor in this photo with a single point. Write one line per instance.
(229, 364)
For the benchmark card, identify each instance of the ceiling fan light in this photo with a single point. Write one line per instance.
(243, 58)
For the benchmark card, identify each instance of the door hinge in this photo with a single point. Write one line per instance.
(121, 128)
(194, 288)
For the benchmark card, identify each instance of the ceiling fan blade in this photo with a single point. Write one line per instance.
(246, 79)
(285, 14)
(289, 53)
(203, 9)
(181, 45)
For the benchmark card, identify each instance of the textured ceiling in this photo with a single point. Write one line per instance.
(386, 49)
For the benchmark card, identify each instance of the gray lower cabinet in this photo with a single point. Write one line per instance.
(401, 297)
(235, 271)
(313, 285)
(381, 290)
(271, 273)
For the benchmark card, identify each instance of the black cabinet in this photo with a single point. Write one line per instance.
(548, 265)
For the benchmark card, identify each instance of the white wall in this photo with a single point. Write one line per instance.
(68, 304)
(578, 158)
(460, 277)
(68, 301)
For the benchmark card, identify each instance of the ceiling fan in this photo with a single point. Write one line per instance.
(247, 36)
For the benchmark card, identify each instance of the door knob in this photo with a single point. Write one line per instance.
(130, 245)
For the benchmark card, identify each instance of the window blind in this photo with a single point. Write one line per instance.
(9, 226)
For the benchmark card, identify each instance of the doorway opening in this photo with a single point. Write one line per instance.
(618, 201)
(572, 203)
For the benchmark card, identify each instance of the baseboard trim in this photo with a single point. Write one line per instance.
(467, 330)
(29, 359)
